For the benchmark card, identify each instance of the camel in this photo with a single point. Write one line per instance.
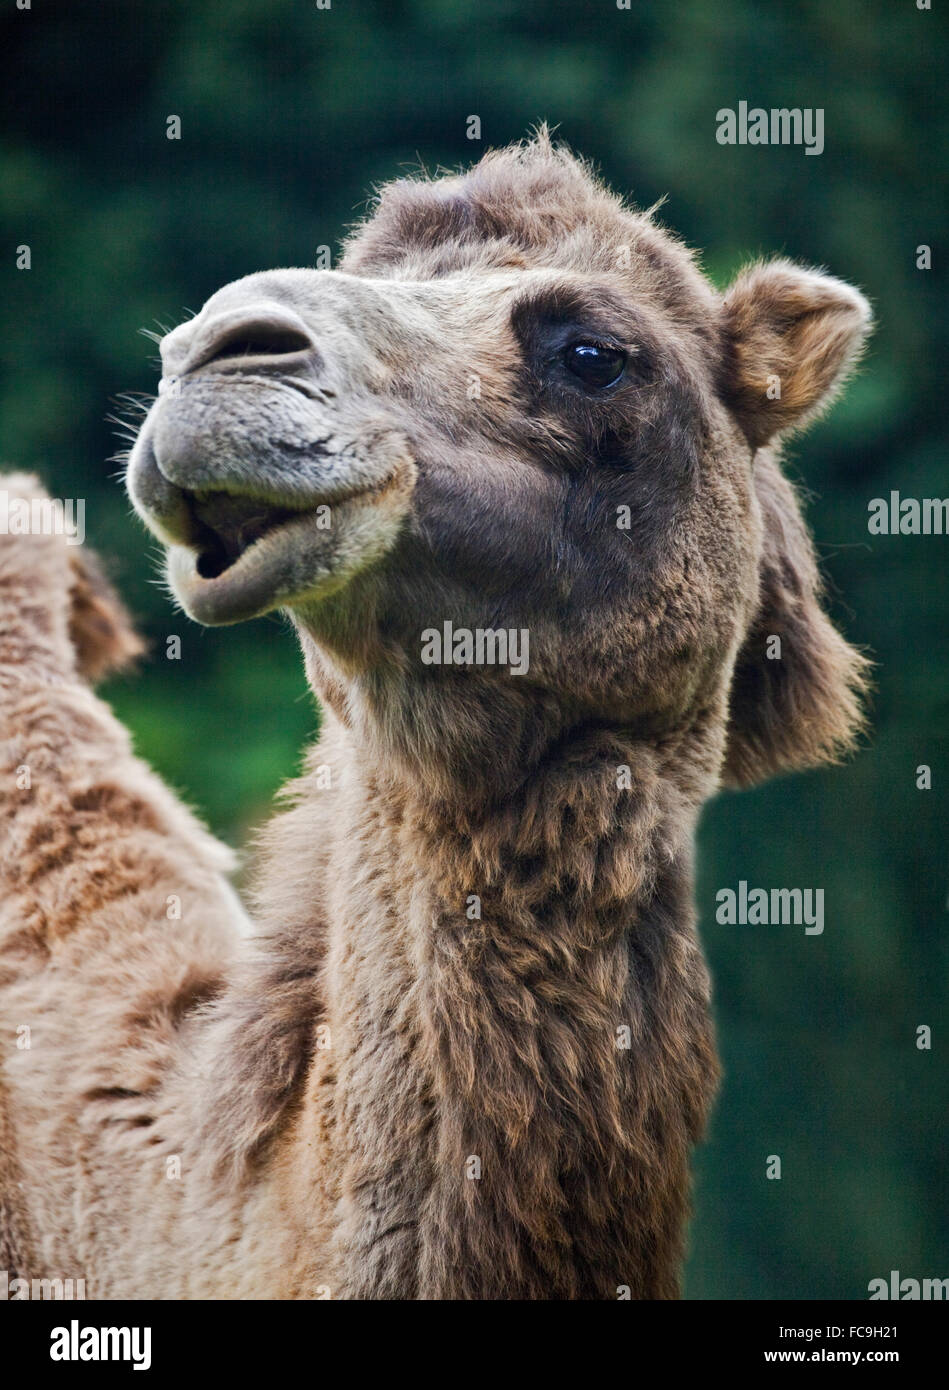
(461, 1046)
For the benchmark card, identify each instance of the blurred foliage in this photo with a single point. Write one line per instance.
(290, 115)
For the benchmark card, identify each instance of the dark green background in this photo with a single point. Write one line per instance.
(290, 115)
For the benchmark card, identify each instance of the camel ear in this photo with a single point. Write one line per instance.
(790, 337)
(100, 628)
(798, 687)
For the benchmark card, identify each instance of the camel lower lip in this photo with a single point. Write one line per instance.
(304, 557)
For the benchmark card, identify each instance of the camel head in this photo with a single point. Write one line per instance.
(516, 407)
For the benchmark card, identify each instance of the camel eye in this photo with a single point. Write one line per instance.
(594, 365)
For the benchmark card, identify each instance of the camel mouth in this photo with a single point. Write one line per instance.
(253, 523)
(248, 556)
(228, 526)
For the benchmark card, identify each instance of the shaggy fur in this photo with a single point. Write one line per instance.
(388, 1094)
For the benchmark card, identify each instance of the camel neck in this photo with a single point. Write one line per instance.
(506, 1064)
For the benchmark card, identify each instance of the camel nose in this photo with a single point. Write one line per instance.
(261, 336)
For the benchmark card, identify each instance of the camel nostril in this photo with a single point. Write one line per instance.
(258, 339)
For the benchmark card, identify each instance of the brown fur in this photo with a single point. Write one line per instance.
(100, 629)
(384, 1094)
